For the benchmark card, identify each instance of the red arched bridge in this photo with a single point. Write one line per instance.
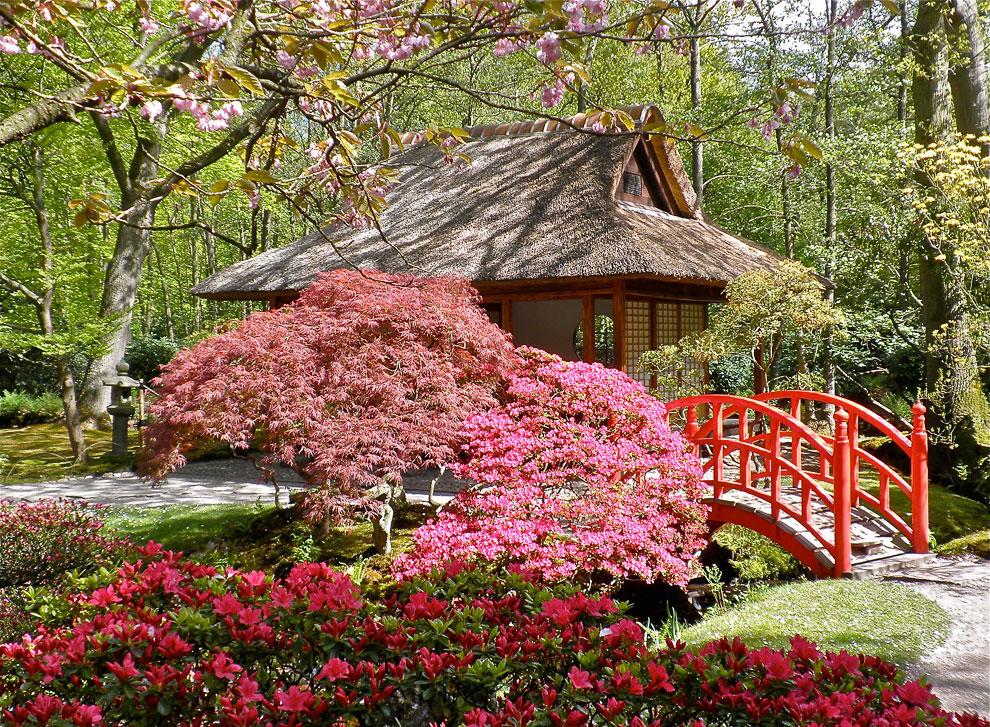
(772, 473)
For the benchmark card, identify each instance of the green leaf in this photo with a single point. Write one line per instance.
(217, 191)
(245, 79)
(228, 88)
(262, 176)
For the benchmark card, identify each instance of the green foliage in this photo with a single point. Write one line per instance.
(146, 354)
(975, 544)
(18, 409)
(763, 310)
(885, 619)
(755, 556)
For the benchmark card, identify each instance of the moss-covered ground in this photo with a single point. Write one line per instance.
(41, 453)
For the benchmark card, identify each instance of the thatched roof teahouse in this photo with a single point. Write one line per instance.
(559, 229)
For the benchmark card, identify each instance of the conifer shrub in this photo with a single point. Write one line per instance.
(169, 642)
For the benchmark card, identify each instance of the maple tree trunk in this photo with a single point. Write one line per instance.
(383, 529)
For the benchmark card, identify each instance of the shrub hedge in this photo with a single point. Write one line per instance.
(18, 409)
(169, 642)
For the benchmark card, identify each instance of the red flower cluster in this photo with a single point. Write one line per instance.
(168, 642)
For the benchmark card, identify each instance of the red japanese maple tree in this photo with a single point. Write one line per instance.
(364, 377)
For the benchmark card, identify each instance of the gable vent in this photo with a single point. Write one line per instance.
(632, 184)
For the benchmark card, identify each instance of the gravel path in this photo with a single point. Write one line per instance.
(205, 482)
(959, 669)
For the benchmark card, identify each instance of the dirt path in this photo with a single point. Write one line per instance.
(959, 669)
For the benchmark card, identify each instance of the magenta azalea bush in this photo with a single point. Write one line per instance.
(579, 474)
(40, 541)
(169, 642)
(363, 377)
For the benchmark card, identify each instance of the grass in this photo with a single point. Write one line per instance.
(949, 515)
(189, 528)
(884, 619)
(41, 453)
(258, 536)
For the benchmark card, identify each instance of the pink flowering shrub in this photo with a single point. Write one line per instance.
(362, 378)
(39, 541)
(168, 642)
(579, 474)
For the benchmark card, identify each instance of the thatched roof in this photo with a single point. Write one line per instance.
(530, 206)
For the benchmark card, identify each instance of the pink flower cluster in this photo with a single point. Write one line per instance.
(40, 541)
(577, 473)
(586, 16)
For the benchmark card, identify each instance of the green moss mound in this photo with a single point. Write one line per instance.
(972, 544)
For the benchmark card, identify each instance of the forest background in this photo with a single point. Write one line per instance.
(796, 121)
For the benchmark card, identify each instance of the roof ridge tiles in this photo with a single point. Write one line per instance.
(543, 125)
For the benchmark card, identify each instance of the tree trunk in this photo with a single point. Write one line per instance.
(697, 147)
(119, 292)
(759, 372)
(828, 351)
(123, 276)
(958, 406)
(382, 535)
(967, 75)
(166, 297)
(43, 305)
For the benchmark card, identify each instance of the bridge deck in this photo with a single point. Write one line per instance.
(878, 547)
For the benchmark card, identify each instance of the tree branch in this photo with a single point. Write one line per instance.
(250, 126)
(113, 154)
(16, 287)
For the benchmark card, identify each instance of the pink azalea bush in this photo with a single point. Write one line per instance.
(40, 541)
(578, 474)
(362, 378)
(169, 642)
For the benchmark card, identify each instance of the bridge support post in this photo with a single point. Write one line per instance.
(919, 480)
(691, 428)
(842, 465)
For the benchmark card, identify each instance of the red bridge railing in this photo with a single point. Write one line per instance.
(773, 443)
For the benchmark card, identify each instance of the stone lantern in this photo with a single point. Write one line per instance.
(120, 408)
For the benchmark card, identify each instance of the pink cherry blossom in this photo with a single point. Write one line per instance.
(151, 110)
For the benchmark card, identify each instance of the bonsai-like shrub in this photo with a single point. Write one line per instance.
(579, 474)
(175, 644)
(365, 376)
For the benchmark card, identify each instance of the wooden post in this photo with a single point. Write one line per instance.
(919, 480)
(691, 428)
(619, 324)
(841, 495)
(507, 316)
(588, 328)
